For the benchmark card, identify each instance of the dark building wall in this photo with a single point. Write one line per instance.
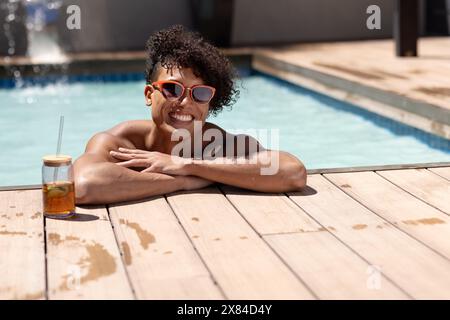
(284, 21)
(437, 15)
(109, 25)
(125, 25)
(117, 25)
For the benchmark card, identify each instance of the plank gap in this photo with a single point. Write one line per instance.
(437, 173)
(353, 250)
(196, 251)
(387, 221)
(412, 194)
(271, 248)
(133, 291)
(44, 222)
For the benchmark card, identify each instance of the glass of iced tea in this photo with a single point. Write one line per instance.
(58, 192)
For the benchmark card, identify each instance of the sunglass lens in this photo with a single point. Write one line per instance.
(202, 94)
(172, 90)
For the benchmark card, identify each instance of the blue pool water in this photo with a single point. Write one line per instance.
(321, 131)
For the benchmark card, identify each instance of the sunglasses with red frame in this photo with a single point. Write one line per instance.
(173, 90)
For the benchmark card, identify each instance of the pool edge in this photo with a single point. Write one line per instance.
(309, 172)
(427, 117)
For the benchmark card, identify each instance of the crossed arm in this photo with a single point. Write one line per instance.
(99, 180)
(103, 174)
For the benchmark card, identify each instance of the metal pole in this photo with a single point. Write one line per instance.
(406, 27)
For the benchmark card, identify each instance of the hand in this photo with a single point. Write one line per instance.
(193, 182)
(152, 161)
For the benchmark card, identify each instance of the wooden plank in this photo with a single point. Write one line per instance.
(243, 265)
(419, 271)
(351, 61)
(423, 184)
(331, 269)
(83, 260)
(22, 246)
(383, 167)
(328, 267)
(403, 210)
(443, 172)
(159, 257)
(269, 213)
(21, 187)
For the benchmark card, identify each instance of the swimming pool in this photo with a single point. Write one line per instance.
(321, 131)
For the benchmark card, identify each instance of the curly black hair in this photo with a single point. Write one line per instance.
(179, 48)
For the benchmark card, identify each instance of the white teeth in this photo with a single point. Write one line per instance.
(181, 117)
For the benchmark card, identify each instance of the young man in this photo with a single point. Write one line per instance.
(187, 79)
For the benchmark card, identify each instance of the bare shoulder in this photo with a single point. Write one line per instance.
(106, 140)
(243, 144)
(212, 126)
(132, 132)
(128, 134)
(131, 129)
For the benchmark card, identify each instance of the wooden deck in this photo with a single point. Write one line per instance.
(412, 90)
(350, 235)
(374, 63)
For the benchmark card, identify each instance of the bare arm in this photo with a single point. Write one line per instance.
(253, 168)
(98, 180)
(266, 171)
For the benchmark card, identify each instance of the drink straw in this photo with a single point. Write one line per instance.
(58, 148)
(61, 125)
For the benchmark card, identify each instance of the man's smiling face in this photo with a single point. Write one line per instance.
(180, 113)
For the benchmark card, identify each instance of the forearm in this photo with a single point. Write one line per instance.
(104, 183)
(281, 173)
